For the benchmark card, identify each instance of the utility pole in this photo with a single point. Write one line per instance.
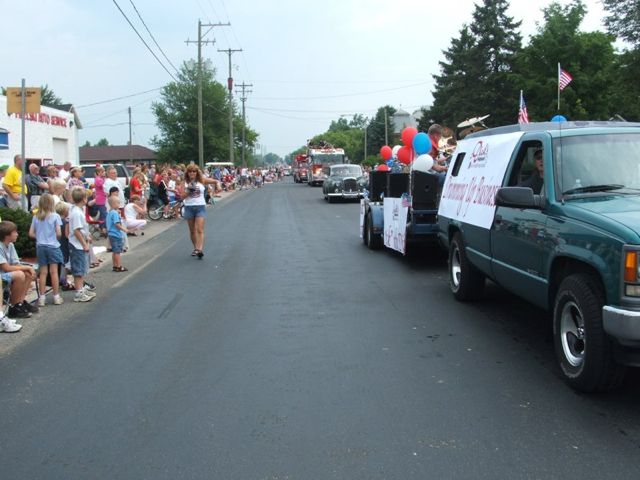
(130, 155)
(386, 128)
(229, 52)
(243, 86)
(200, 42)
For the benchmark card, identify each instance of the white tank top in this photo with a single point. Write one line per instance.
(194, 194)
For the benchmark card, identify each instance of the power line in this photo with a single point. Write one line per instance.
(119, 98)
(371, 92)
(151, 35)
(142, 40)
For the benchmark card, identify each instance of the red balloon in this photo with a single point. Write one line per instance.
(386, 153)
(382, 168)
(405, 155)
(407, 136)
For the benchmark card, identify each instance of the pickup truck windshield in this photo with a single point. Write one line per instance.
(588, 164)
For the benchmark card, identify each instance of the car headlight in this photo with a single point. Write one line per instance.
(631, 274)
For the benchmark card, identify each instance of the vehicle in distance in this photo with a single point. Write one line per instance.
(344, 181)
(568, 242)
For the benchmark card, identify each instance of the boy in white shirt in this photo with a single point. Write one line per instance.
(79, 244)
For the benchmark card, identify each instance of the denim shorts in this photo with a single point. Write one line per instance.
(79, 262)
(117, 244)
(6, 278)
(193, 211)
(48, 255)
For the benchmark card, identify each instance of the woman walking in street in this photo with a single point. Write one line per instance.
(194, 207)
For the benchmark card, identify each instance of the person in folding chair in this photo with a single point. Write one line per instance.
(17, 275)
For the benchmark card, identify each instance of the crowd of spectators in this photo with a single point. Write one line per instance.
(64, 204)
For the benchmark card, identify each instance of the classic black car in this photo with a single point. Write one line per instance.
(344, 181)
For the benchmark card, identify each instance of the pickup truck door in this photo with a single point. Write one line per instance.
(518, 242)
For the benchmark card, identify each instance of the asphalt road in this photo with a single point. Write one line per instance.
(293, 352)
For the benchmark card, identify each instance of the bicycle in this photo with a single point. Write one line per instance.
(157, 212)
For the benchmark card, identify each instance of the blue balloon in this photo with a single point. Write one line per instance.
(558, 118)
(390, 163)
(421, 143)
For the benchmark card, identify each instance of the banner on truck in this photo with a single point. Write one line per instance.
(395, 224)
(469, 190)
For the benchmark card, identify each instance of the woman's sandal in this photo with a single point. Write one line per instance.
(120, 269)
(200, 254)
(94, 265)
(194, 253)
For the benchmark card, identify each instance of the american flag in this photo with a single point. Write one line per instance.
(406, 200)
(523, 115)
(564, 78)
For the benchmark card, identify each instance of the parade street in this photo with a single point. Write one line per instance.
(291, 351)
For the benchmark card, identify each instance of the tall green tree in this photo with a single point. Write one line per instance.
(103, 142)
(177, 119)
(477, 75)
(588, 56)
(623, 19)
(455, 87)
(376, 130)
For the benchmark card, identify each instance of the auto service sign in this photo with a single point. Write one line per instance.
(470, 195)
(395, 224)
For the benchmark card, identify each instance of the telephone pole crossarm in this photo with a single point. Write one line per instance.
(201, 42)
(230, 51)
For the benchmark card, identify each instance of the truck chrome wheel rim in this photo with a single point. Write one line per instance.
(455, 267)
(572, 334)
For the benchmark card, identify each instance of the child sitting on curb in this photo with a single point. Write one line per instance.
(46, 229)
(18, 276)
(117, 233)
(134, 213)
(7, 324)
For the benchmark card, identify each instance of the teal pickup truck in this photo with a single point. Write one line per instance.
(551, 212)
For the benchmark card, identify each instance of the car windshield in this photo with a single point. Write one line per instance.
(347, 170)
(587, 164)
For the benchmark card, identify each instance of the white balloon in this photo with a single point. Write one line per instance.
(395, 149)
(423, 163)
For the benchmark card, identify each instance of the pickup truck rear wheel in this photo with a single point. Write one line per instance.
(373, 240)
(583, 348)
(465, 280)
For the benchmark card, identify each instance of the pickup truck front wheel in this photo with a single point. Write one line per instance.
(582, 346)
(465, 280)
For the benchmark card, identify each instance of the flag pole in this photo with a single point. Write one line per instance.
(558, 86)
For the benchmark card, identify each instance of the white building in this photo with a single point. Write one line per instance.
(51, 135)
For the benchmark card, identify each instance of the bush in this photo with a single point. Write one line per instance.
(25, 246)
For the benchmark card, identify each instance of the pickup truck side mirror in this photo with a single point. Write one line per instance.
(517, 197)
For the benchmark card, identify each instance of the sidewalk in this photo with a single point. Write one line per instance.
(52, 316)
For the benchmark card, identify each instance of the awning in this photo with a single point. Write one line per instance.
(4, 139)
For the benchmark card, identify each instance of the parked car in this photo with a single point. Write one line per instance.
(344, 181)
(573, 247)
(123, 173)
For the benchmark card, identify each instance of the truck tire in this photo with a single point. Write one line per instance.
(465, 280)
(373, 240)
(582, 347)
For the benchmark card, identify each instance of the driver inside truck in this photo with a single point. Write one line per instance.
(536, 179)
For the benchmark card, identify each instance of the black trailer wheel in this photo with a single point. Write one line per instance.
(374, 240)
(465, 280)
(582, 347)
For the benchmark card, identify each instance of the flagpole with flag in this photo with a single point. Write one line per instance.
(558, 86)
(523, 114)
(564, 79)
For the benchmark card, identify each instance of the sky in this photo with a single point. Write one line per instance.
(309, 62)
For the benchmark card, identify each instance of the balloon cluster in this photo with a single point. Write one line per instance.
(416, 148)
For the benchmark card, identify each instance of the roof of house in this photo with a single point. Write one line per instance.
(116, 153)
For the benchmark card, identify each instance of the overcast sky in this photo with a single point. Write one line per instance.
(309, 62)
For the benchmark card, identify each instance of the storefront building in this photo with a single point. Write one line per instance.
(51, 135)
